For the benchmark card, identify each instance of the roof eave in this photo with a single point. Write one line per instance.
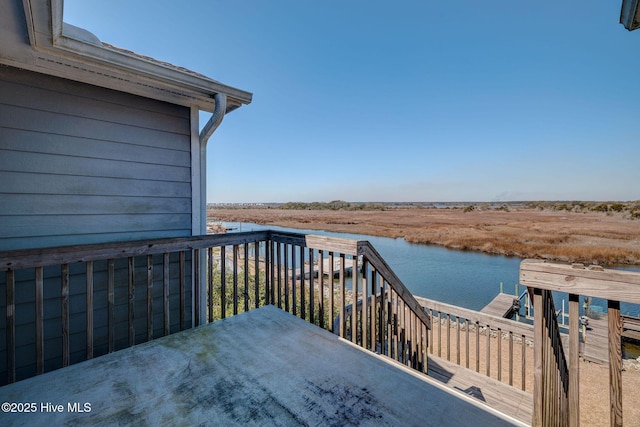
(70, 52)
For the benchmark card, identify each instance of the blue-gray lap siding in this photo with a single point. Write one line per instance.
(82, 164)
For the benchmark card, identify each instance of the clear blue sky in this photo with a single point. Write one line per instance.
(404, 101)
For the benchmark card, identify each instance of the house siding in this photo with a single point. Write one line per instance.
(82, 164)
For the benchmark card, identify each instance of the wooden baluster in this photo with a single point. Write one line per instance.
(312, 300)
(373, 311)
(431, 339)
(195, 263)
(448, 316)
(40, 319)
(165, 292)
(65, 313)
(511, 358)
(477, 325)
(110, 303)
(499, 354)
(354, 302)
(256, 280)
(488, 351)
(331, 292)
(303, 309)
(467, 327)
(286, 278)
(89, 300)
(150, 297)
(223, 282)
(523, 379)
(439, 334)
(11, 325)
(294, 291)
(458, 340)
(342, 308)
(182, 261)
(210, 275)
(131, 301)
(365, 306)
(321, 312)
(235, 279)
(245, 248)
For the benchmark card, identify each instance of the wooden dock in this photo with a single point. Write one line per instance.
(595, 348)
(500, 305)
(327, 269)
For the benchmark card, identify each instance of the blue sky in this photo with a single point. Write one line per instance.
(403, 101)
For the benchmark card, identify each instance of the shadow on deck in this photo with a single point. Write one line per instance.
(263, 367)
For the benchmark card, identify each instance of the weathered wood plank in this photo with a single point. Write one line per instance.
(602, 283)
(372, 255)
(574, 360)
(29, 258)
(476, 316)
(615, 363)
(538, 360)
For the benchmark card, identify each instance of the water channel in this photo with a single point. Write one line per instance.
(463, 278)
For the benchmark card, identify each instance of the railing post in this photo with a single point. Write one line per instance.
(574, 371)
(615, 362)
(538, 358)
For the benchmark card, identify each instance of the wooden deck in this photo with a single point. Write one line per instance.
(496, 394)
(263, 367)
(500, 305)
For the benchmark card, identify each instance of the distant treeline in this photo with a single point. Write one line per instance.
(335, 205)
(629, 209)
(632, 208)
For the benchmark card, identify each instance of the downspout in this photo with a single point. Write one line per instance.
(208, 130)
(219, 111)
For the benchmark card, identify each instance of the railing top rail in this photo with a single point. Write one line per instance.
(369, 252)
(29, 258)
(333, 244)
(576, 279)
(506, 325)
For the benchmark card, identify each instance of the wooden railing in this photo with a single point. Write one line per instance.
(556, 373)
(491, 345)
(68, 304)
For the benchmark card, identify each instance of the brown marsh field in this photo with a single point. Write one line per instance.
(590, 236)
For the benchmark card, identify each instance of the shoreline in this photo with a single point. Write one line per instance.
(588, 238)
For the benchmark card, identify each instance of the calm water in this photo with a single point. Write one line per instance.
(466, 279)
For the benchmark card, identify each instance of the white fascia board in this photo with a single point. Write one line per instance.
(70, 52)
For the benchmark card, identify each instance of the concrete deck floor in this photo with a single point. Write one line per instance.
(264, 367)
